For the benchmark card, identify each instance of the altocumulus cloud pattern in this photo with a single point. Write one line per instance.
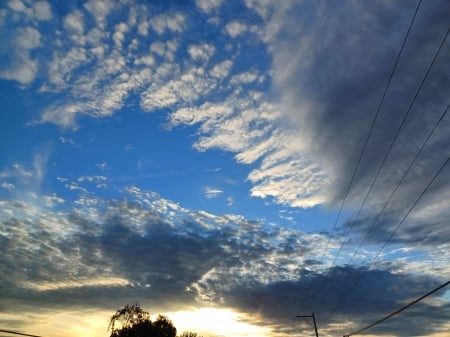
(198, 157)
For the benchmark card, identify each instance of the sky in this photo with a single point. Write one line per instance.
(229, 164)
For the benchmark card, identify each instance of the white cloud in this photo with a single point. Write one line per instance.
(160, 98)
(236, 28)
(214, 20)
(296, 186)
(122, 27)
(28, 38)
(19, 171)
(73, 68)
(102, 166)
(42, 10)
(248, 124)
(203, 113)
(245, 78)
(62, 65)
(208, 5)
(133, 16)
(39, 166)
(232, 260)
(74, 22)
(119, 35)
(265, 7)
(172, 22)
(332, 112)
(143, 27)
(20, 66)
(222, 69)
(185, 89)
(8, 186)
(230, 201)
(92, 96)
(94, 37)
(75, 187)
(247, 128)
(261, 148)
(211, 192)
(63, 116)
(65, 140)
(23, 70)
(21, 178)
(92, 179)
(201, 51)
(51, 201)
(17, 6)
(39, 10)
(147, 60)
(165, 50)
(100, 10)
(243, 126)
(158, 48)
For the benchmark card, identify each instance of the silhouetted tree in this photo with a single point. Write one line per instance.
(135, 322)
(127, 317)
(189, 334)
(163, 327)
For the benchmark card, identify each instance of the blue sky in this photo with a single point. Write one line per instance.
(196, 156)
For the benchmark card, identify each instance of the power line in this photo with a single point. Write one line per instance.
(394, 191)
(399, 183)
(386, 155)
(388, 84)
(399, 310)
(402, 124)
(391, 236)
(18, 333)
(372, 126)
(314, 321)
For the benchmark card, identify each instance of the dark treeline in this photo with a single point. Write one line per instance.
(132, 321)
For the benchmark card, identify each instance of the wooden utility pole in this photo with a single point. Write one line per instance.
(314, 321)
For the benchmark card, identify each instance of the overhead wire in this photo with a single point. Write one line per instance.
(391, 236)
(372, 126)
(394, 191)
(18, 333)
(357, 332)
(395, 138)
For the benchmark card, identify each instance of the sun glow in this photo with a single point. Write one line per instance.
(214, 322)
(86, 323)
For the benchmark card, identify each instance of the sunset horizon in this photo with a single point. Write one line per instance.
(246, 168)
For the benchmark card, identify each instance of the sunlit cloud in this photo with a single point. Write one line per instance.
(261, 108)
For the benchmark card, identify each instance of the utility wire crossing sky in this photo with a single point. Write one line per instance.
(228, 164)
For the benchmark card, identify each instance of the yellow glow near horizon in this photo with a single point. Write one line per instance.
(206, 322)
(63, 323)
(214, 322)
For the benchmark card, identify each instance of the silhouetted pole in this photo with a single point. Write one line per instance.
(314, 321)
(315, 325)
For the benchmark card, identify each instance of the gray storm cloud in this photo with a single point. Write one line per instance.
(331, 64)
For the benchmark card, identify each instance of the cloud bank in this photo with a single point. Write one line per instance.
(290, 90)
(96, 252)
